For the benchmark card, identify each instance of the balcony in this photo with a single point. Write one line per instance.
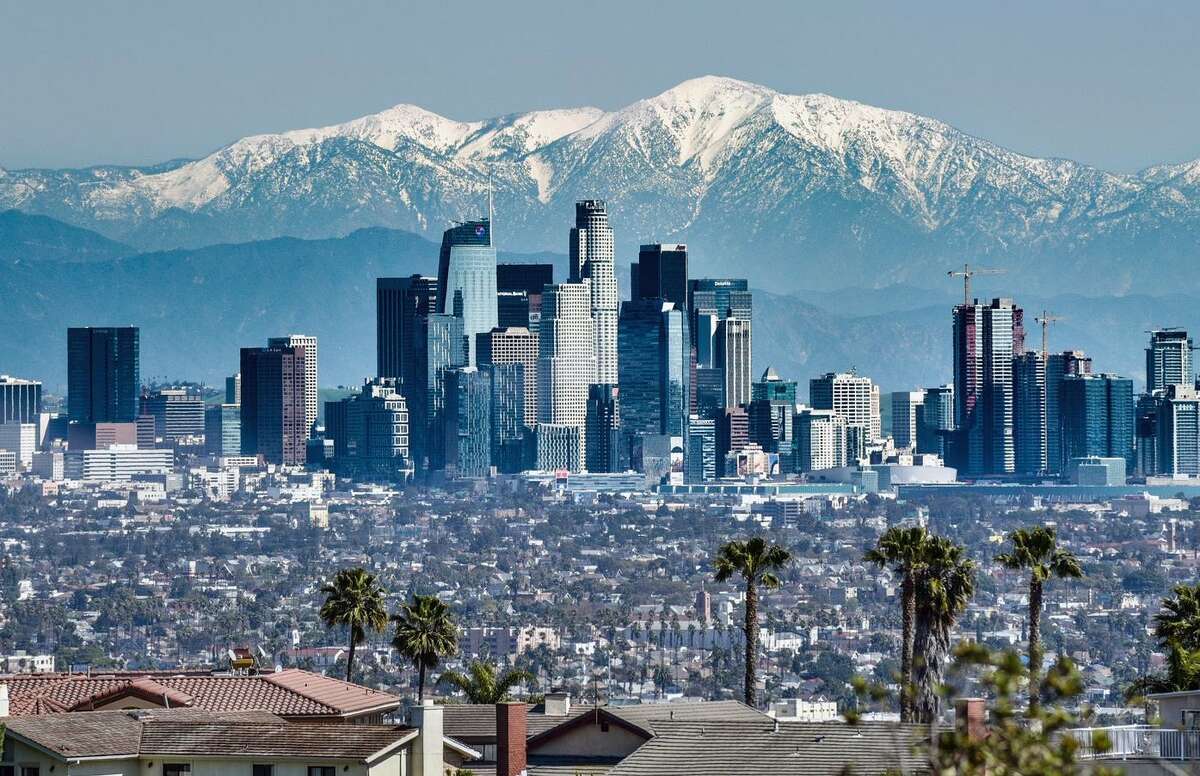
(1138, 742)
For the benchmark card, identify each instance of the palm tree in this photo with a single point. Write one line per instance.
(1177, 628)
(902, 548)
(945, 583)
(1037, 549)
(757, 563)
(481, 684)
(354, 599)
(425, 633)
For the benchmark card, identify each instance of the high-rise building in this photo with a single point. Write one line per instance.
(468, 422)
(661, 273)
(710, 392)
(20, 439)
(442, 348)
(772, 403)
(558, 447)
(370, 433)
(906, 415)
(856, 399)
(935, 420)
(20, 400)
(509, 416)
(176, 414)
(223, 430)
(1058, 366)
(400, 304)
(591, 258)
(654, 369)
(519, 293)
(821, 440)
(985, 338)
(1168, 359)
(1177, 431)
(720, 298)
(514, 345)
(233, 389)
(311, 380)
(733, 434)
(1097, 417)
(103, 374)
(700, 456)
(524, 278)
(566, 360)
(467, 279)
(603, 429)
(274, 420)
(1029, 413)
(732, 354)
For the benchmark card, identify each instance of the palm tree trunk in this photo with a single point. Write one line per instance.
(350, 660)
(1035, 645)
(421, 683)
(908, 615)
(751, 640)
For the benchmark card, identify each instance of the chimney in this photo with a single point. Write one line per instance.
(427, 755)
(970, 717)
(511, 729)
(558, 704)
(3, 700)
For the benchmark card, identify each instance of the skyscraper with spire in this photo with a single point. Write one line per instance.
(591, 258)
(467, 279)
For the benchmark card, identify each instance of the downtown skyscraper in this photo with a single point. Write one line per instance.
(273, 396)
(467, 279)
(1168, 359)
(566, 369)
(400, 304)
(985, 338)
(311, 378)
(103, 374)
(591, 258)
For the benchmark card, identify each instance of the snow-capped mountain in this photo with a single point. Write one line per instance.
(794, 190)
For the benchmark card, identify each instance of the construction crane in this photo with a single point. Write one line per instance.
(967, 272)
(1046, 318)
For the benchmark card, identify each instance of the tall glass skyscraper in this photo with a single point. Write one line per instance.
(443, 349)
(1097, 417)
(508, 413)
(935, 420)
(1058, 366)
(103, 374)
(468, 421)
(591, 258)
(1168, 359)
(400, 304)
(1029, 417)
(661, 273)
(467, 279)
(985, 338)
(654, 369)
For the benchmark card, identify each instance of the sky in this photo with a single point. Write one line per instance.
(1113, 84)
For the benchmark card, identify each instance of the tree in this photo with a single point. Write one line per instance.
(354, 599)
(425, 633)
(757, 563)
(1177, 628)
(945, 583)
(1037, 549)
(481, 684)
(902, 549)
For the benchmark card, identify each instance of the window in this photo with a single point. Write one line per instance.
(264, 770)
(29, 770)
(322, 770)
(176, 769)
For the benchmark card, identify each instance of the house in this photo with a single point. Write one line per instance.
(292, 694)
(174, 742)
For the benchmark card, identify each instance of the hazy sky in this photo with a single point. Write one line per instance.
(1115, 84)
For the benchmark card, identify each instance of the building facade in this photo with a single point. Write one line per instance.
(20, 400)
(103, 374)
(311, 377)
(400, 305)
(273, 414)
(467, 279)
(591, 258)
(985, 338)
(566, 361)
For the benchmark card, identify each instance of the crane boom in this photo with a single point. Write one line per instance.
(967, 272)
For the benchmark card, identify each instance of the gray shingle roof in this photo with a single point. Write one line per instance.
(478, 720)
(794, 749)
(282, 739)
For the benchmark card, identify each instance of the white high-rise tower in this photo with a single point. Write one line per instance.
(592, 259)
(566, 363)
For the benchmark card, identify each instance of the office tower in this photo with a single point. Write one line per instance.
(661, 273)
(508, 413)
(558, 447)
(1145, 432)
(146, 430)
(1058, 366)
(906, 413)
(176, 414)
(274, 416)
(103, 374)
(400, 304)
(524, 278)
(1168, 359)
(223, 430)
(772, 403)
(98, 436)
(442, 348)
(519, 294)
(774, 388)
(468, 422)
(233, 389)
(311, 383)
(733, 434)
(20, 400)
(732, 354)
(603, 429)
(856, 399)
(700, 457)
(1097, 417)
(514, 345)
(591, 258)
(20, 439)
(821, 440)
(370, 433)
(1029, 413)
(467, 277)
(935, 420)
(653, 369)
(1177, 431)
(710, 392)
(566, 361)
(985, 338)
(720, 298)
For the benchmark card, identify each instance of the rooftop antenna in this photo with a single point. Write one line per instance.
(1046, 318)
(967, 272)
(491, 215)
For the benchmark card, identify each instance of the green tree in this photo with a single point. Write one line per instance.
(1037, 550)
(425, 633)
(902, 549)
(945, 584)
(1177, 628)
(483, 684)
(756, 562)
(354, 599)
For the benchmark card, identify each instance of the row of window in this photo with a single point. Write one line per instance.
(179, 769)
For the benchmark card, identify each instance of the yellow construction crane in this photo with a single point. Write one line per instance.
(967, 272)
(1046, 318)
